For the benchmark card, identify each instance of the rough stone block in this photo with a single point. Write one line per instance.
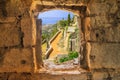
(7, 20)
(104, 55)
(102, 76)
(103, 10)
(9, 35)
(110, 34)
(17, 60)
(26, 26)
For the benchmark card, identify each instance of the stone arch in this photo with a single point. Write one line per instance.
(81, 11)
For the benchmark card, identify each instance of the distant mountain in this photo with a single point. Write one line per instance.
(47, 26)
(53, 16)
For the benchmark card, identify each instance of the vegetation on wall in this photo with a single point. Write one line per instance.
(71, 55)
(62, 24)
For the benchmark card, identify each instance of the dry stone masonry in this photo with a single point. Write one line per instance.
(20, 31)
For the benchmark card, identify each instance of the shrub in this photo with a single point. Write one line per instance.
(73, 55)
(70, 56)
(63, 59)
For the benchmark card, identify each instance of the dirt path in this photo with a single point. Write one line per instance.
(59, 46)
(56, 48)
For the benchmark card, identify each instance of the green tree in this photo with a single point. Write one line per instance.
(63, 23)
(69, 19)
(73, 19)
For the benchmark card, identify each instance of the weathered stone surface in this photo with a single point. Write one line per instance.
(82, 76)
(9, 35)
(105, 75)
(17, 60)
(44, 76)
(13, 8)
(105, 14)
(8, 20)
(38, 47)
(26, 28)
(104, 55)
(17, 32)
(110, 34)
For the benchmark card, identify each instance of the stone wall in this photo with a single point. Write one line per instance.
(16, 53)
(100, 32)
(104, 34)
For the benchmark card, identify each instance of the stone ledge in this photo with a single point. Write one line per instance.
(39, 76)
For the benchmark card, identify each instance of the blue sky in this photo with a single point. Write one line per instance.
(53, 16)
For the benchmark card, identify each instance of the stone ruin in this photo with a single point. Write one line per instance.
(20, 39)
